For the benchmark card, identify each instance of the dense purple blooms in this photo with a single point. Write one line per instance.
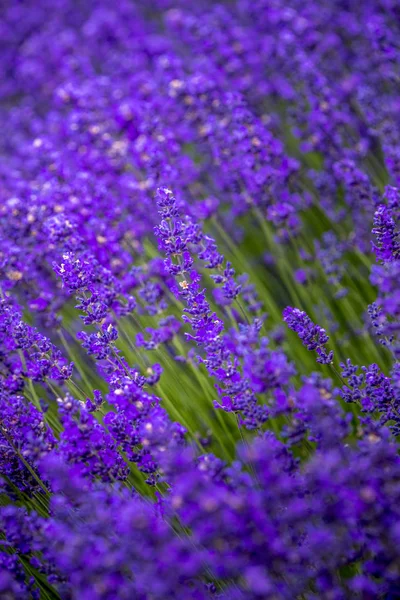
(385, 312)
(388, 248)
(172, 176)
(85, 443)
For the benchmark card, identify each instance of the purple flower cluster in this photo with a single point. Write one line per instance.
(176, 239)
(172, 176)
(385, 312)
(312, 336)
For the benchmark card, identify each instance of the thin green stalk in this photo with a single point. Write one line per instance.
(72, 356)
(35, 398)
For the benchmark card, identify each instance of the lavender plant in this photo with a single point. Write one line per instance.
(199, 300)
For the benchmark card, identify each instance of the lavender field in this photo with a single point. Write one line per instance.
(200, 300)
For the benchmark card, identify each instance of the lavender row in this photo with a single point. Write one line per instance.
(199, 313)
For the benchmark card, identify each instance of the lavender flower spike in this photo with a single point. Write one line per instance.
(312, 336)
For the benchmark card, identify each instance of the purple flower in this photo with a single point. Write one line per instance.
(387, 235)
(313, 337)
